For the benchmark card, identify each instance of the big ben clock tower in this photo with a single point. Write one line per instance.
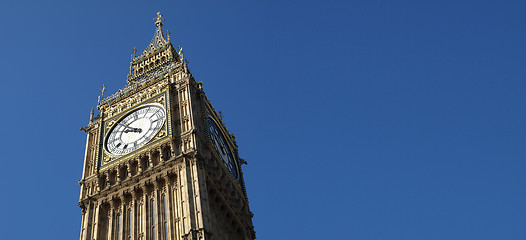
(160, 163)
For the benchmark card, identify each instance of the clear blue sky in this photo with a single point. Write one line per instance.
(358, 119)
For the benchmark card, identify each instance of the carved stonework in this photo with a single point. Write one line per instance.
(179, 162)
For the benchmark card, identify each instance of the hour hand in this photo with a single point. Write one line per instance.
(130, 129)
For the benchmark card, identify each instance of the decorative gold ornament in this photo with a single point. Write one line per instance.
(107, 159)
(161, 134)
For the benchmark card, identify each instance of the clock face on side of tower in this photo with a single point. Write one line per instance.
(222, 147)
(135, 129)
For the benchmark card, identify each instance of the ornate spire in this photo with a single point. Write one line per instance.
(158, 60)
(158, 40)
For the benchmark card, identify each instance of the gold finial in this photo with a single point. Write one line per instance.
(168, 35)
(181, 53)
(159, 20)
(134, 51)
(103, 90)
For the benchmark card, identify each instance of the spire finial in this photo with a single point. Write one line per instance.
(131, 63)
(159, 20)
(91, 115)
(103, 89)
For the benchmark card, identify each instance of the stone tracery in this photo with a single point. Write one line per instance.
(194, 195)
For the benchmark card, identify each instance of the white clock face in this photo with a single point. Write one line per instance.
(222, 148)
(135, 129)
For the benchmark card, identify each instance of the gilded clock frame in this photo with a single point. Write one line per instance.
(107, 160)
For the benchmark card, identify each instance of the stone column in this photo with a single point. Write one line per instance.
(119, 177)
(86, 154)
(178, 210)
(96, 221)
(83, 229)
(143, 223)
(172, 148)
(133, 220)
(139, 165)
(98, 184)
(169, 208)
(129, 169)
(150, 159)
(155, 214)
(108, 182)
(110, 220)
(161, 155)
(201, 195)
(184, 197)
(122, 210)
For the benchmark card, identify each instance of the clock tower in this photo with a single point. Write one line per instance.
(159, 163)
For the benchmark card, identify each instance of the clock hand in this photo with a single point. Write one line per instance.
(124, 125)
(131, 129)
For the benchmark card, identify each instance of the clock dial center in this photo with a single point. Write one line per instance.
(142, 125)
